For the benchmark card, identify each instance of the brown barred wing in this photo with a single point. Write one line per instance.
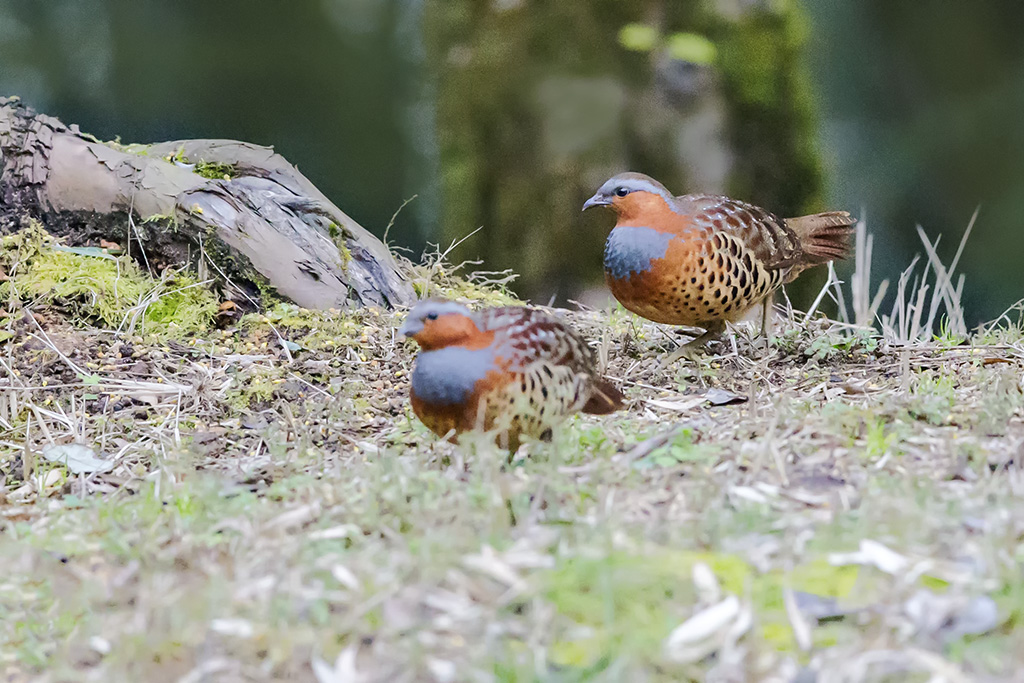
(557, 370)
(526, 336)
(770, 240)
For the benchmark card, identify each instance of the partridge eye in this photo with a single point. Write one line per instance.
(431, 316)
(621, 191)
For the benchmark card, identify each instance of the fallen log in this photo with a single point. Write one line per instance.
(237, 212)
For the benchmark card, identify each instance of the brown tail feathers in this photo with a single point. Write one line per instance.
(825, 236)
(604, 399)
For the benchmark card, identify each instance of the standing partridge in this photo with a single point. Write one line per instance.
(702, 260)
(514, 370)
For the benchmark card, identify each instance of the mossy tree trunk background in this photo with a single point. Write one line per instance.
(234, 211)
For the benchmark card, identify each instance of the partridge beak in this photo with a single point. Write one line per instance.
(410, 328)
(597, 200)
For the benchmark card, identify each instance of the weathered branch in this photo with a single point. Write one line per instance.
(240, 207)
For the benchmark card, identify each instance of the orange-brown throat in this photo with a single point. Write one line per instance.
(452, 329)
(638, 207)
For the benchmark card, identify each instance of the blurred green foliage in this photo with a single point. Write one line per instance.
(506, 114)
(690, 47)
(533, 117)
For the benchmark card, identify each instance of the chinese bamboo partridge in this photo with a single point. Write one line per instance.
(701, 260)
(515, 370)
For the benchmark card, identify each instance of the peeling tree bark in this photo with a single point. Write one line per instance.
(266, 226)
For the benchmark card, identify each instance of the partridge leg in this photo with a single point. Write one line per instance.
(690, 348)
(766, 311)
(766, 321)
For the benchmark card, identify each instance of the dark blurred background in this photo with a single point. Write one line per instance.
(507, 114)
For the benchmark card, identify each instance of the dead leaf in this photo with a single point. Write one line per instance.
(77, 458)
(706, 583)
(207, 437)
(801, 629)
(149, 399)
(296, 517)
(442, 670)
(342, 671)
(647, 446)
(819, 607)
(345, 577)
(237, 628)
(676, 406)
(951, 617)
(855, 388)
(721, 397)
(706, 631)
(489, 562)
(335, 532)
(873, 553)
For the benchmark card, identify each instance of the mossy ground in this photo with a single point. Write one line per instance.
(275, 511)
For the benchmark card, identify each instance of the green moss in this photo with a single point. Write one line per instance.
(467, 291)
(252, 387)
(207, 169)
(215, 171)
(315, 329)
(339, 239)
(878, 438)
(624, 603)
(628, 604)
(95, 287)
(821, 578)
(933, 397)
(135, 148)
(442, 280)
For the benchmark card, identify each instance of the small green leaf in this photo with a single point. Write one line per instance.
(638, 37)
(86, 251)
(89, 379)
(693, 48)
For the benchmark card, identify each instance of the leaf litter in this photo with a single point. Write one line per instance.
(833, 503)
